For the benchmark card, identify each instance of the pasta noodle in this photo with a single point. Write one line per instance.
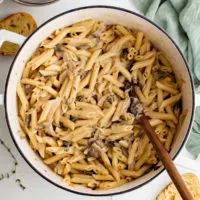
(139, 39)
(73, 103)
(40, 59)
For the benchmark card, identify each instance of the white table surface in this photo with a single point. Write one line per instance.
(37, 187)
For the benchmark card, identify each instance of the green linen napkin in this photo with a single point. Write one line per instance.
(181, 20)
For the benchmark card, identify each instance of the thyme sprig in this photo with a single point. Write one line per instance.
(20, 184)
(13, 170)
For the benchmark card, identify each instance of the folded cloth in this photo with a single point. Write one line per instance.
(181, 20)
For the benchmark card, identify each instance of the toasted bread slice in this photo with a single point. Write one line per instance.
(21, 23)
(170, 192)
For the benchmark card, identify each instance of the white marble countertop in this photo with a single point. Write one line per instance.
(37, 187)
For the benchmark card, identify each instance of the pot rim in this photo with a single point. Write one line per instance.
(10, 72)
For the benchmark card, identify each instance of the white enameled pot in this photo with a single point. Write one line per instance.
(110, 15)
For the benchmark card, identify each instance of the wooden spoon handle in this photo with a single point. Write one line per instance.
(166, 159)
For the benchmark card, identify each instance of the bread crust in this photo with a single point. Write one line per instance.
(170, 192)
(22, 23)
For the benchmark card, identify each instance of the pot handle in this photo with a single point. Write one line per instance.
(6, 35)
(185, 159)
(197, 99)
(1, 99)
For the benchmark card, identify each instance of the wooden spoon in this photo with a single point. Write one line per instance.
(137, 110)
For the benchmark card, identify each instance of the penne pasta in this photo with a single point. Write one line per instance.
(74, 103)
(92, 59)
(107, 116)
(84, 167)
(166, 88)
(113, 80)
(135, 174)
(103, 177)
(139, 39)
(55, 158)
(40, 59)
(108, 185)
(124, 71)
(67, 123)
(32, 82)
(142, 64)
(22, 96)
(162, 116)
(132, 154)
(170, 100)
(118, 91)
(105, 56)
(94, 76)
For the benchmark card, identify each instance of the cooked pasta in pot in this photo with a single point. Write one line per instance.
(73, 103)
